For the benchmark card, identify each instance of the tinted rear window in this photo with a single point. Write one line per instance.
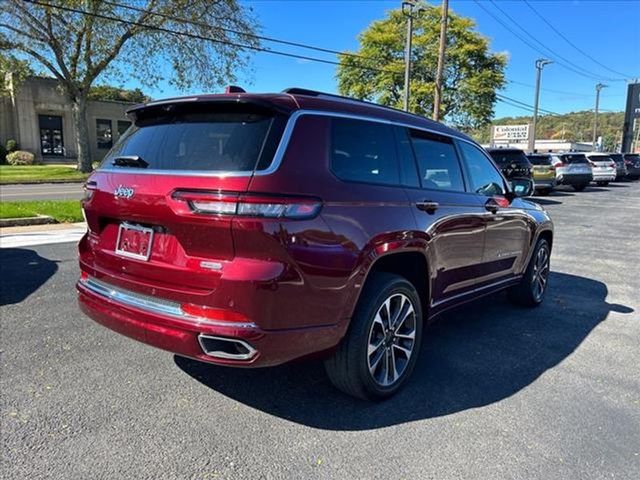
(632, 156)
(539, 159)
(575, 158)
(200, 140)
(508, 157)
(600, 158)
(363, 151)
(616, 157)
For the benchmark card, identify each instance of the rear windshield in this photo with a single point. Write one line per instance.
(600, 158)
(616, 157)
(632, 156)
(574, 158)
(509, 156)
(198, 140)
(539, 159)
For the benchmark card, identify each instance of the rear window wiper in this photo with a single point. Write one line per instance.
(129, 161)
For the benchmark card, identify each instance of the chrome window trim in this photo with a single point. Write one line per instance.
(150, 304)
(281, 149)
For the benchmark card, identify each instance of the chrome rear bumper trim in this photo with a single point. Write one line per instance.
(153, 305)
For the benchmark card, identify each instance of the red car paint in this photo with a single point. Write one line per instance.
(288, 287)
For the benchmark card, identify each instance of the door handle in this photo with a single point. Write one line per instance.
(427, 206)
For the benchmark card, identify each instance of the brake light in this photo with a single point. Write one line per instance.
(613, 165)
(249, 205)
(560, 165)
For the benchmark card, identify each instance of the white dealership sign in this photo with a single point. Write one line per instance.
(510, 132)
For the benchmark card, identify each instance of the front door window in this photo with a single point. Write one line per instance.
(51, 139)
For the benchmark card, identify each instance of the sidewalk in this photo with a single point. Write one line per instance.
(13, 237)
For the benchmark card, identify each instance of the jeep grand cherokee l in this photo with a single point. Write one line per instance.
(251, 230)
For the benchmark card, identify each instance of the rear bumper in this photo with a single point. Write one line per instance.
(604, 177)
(579, 179)
(166, 330)
(542, 184)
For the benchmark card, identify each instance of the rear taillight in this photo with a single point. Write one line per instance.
(212, 313)
(613, 165)
(89, 189)
(249, 205)
(560, 165)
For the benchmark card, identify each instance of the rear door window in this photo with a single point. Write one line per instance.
(438, 163)
(200, 141)
(363, 151)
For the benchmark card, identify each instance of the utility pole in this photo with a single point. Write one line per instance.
(540, 63)
(437, 99)
(599, 87)
(409, 8)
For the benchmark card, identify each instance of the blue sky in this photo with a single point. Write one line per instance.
(608, 30)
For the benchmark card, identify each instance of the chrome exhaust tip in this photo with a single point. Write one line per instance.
(227, 348)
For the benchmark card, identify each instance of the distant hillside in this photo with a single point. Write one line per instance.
(575, 126)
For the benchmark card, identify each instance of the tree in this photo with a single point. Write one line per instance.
(19, 68)
(84, 41)
(472, 74)
(106, 92)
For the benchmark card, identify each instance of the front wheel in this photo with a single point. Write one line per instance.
(382, 344)
(531, 289)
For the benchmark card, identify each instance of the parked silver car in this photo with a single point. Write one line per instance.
(621, 168)
(604, 168)
(572, 169)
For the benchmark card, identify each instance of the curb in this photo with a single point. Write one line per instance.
(25, 221)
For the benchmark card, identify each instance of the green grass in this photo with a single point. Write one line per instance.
(62, 210)
(38, 173)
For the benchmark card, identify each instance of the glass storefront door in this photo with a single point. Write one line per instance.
(51, 139)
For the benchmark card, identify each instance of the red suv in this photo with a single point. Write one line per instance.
(251, 230)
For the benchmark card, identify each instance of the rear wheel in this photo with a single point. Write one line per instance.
(530, 291)
(382, 344)
(603, 184)
(544, 192)
(579, 188)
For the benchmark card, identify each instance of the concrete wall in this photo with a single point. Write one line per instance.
(41, 96)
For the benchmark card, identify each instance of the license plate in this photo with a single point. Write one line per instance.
(134, 241)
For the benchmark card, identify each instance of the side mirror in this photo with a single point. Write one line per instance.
(521, 187)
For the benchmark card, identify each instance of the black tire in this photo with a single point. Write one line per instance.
(348, 368)
(602, 184)
(580, 188)
(526, 292)
(544, 192)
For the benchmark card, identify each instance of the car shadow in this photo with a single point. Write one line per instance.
(474, 356)
(618, 184)
(561, 193)
(596, 189)
(22, 272)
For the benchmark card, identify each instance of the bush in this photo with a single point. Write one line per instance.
(12, 145)
(20, 157)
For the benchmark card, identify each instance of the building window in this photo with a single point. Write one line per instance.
(51, 141)
(104, 133)
(123, 125)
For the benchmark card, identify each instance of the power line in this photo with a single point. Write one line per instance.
(553, 52)
(530, 107)
(531, 45)
(570, 42)
(201, 37)
(562, 92)
(238, 32)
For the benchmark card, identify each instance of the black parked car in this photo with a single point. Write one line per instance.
(632, 162)
(513, 162)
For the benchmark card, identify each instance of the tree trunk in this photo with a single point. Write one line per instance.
(82, 134)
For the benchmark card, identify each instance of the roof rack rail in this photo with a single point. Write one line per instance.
(315, 93)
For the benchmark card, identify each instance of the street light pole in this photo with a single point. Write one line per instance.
(437, 99)
(540, 63)
(408, 9)
(599, 87)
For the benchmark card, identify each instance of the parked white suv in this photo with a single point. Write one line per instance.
(572, 169)
(604, 168)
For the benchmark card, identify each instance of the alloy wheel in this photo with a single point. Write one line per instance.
(391, 339)
(540, 273)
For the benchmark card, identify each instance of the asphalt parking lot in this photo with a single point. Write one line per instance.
(499, 392)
